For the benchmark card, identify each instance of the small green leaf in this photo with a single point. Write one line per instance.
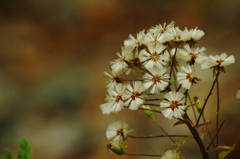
(147, 111)
(223, 154)
(203, 124)
(26, 150)
(8, 154)
(179, 122)
(117, 150)
(186, 139)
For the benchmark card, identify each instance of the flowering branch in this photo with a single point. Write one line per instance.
(149, 73)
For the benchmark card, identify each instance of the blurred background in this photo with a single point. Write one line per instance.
(52, 58)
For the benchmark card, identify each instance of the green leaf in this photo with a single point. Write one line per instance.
(179, 122)
(147, 111)
(223, 154)
(8, 155)
(186, 139)
(182, 142)
(117, 150)
(199, 108)
(203, 124)
(26, 150)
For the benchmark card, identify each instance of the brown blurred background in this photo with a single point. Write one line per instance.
(53, 55)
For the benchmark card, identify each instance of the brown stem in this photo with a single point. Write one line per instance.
(140, 154)
(151, 110)
(196, 136)
(217, 114)
(215, 135)
(157, 136)
(205, 102)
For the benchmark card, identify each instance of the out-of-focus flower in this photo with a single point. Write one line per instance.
(114, 100)
(113, 79)
(117, 132)
(237, 95)
(171, 154)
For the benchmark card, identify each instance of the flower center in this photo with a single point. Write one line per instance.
(156, 78)
(194, 56)
(119, 132)
(118, 98)
(155, 42)
(189, 76)
(219, 61)
(174, 104)
(135, 95)
(154, 56)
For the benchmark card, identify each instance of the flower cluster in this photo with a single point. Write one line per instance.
(156, 63)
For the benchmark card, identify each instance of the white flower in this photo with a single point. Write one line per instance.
(157, 79)
(154, 57)
(162, 28)
(174, 102)
(134, 64)
(135, 42)
(192, 55)
(171, 154)
(151, 39)
(113, 79)
(157, 38)
(196, 34)
(134, 96)
(180, 35)
(237, 94)
(186, 78)
(218, 60)
(174, 52)
(119, 65)
(117, 132)
(114, 99)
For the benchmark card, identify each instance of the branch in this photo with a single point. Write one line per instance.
(205, 102)
(157, 136)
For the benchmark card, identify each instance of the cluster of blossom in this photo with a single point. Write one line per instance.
(148, 65)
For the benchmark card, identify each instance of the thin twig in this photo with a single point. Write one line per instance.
(205, 102)
(157, 136)
(196, 136)
(215, 135)
(141, 154)
(151, 104)
(151, 99)
(173, 60)
(151, 110)
(192, 105)
(217, 114)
